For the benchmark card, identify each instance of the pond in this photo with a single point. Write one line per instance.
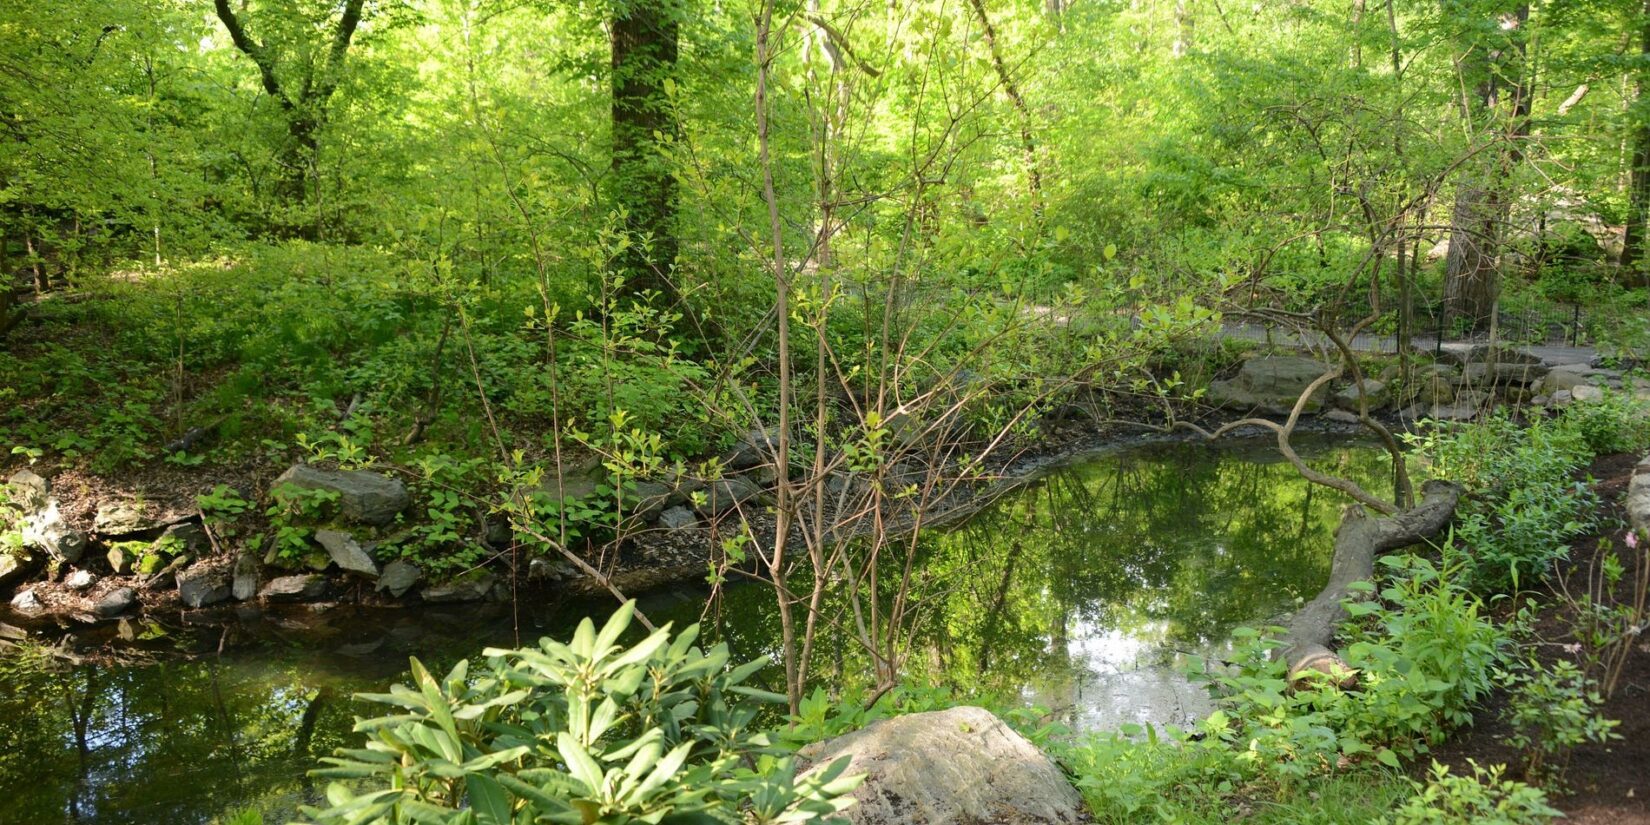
(1080, 593)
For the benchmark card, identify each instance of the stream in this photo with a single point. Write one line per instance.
(1080, 592)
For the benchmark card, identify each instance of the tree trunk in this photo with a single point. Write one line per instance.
(1638, 213)
(645, 43)
(1358, 540)
(1472, 280)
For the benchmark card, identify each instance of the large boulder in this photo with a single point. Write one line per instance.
(1500, 373)
(1562, 379)
(1375, 393)
(1270, 384)
(725, 494)
(363, 497)
(961, 766)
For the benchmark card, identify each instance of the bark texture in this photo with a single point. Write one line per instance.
(1358, 541)
(645, 42)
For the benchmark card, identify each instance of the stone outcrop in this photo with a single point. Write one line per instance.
(957, 767)
(1270, 384)
(363, 497)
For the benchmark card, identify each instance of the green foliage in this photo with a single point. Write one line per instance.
(1526, 505)
(586, 731)
(1423, 655)
(1484, 798)
(293, 515)
(1617, 424)
(1552, 710)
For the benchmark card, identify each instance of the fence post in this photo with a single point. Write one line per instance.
(1575, 326)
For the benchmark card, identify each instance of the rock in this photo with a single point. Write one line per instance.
(472, 588)
(1375, 394)
(725, 494)
(548, 570)
(115, 602)
(363, 497)
(1563, 397)
(955, 767)
(576, 483)
(80, 580)
(17, 566)
(26, 602)
(46, 530)
(120, 558)
(1638, 498)
(28, 490)
(1342, 416)
(1541, 401)
(1269, 384)
(245, 582)
(1587, 393)
(678, 518)
(754, 448)
(201, 585)
(1480, 375)
(347, 553)
(184, 537)
(303, 587)
(495, 530)
(123, 518)
(398, 577)
(1560, 379)
(647, 501)
(1464, 354)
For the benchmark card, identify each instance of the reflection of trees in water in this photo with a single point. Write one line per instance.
(1191, 542)
(173, 742)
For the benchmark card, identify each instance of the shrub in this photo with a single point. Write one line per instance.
(587, 731)
(1617, 424)
(1552, 710)
(1481, 799)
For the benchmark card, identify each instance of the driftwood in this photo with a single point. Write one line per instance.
(1358, 541)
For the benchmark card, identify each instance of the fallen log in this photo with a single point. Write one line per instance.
(1359, 539)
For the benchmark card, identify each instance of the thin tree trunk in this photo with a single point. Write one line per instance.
(1028, 141)
(782, 470)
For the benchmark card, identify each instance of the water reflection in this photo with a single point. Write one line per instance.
(1077, 592)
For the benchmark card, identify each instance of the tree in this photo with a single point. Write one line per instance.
(302, 96)
(645, 43)
(1490, 72)
(1638, 212)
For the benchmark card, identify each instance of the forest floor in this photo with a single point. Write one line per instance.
(1608, 784)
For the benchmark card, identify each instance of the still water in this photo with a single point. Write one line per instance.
(1079, 593)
